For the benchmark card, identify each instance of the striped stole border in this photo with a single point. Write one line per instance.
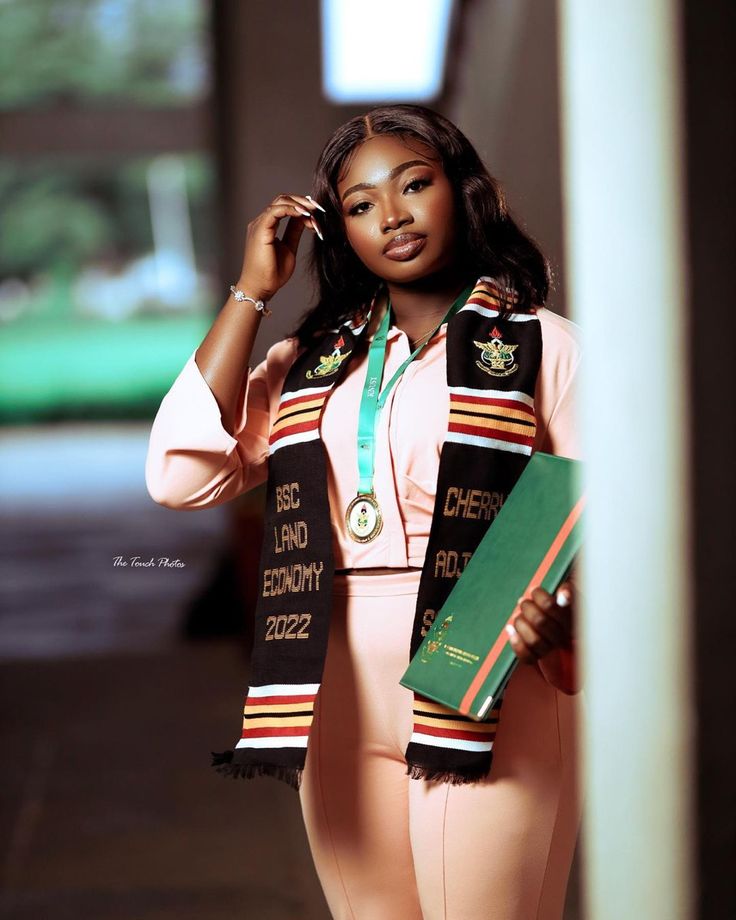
(438, 726)
(278, 716)
(483, 300)
(492, 418)
(298, 417)
(299, 411)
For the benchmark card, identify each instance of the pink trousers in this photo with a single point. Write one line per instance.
(387, 847)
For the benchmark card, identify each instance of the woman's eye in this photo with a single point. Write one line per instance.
(416, 184)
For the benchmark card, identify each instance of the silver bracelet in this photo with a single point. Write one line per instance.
(241, 296)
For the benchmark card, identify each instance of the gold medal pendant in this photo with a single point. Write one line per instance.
(363, 518)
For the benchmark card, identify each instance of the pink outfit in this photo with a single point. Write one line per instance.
(390, 848)
(386, 847)
(193, 462)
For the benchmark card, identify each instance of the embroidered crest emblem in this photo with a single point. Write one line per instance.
(497, 358)
(436, 639)
(329, 364)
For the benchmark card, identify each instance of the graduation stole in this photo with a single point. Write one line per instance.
(492, 365)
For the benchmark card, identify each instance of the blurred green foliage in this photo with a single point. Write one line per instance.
(75, 210)
(64, 215)
(144, 52)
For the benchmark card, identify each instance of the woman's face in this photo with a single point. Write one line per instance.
(398, 209)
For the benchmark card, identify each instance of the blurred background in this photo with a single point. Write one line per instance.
(137, 139)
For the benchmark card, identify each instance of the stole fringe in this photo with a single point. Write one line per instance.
(445, 776)
(223, 764)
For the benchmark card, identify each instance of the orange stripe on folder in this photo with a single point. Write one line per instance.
(544, 567)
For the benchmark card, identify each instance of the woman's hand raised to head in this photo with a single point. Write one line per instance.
(269, 262)
(544, 623)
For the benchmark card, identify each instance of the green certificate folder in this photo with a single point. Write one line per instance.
(465, 660)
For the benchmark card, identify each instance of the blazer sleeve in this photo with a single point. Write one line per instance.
(556, 396)
(559, 434)
(193, 462)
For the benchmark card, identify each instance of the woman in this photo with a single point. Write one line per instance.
(411, 810)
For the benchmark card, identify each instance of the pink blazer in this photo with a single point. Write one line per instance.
(193, 462)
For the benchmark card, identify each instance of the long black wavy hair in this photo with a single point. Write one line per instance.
(494, 244)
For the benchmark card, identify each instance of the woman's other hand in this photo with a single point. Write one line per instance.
(544, 624)
(269, 262)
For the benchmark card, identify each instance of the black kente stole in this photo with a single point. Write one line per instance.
(492, 366)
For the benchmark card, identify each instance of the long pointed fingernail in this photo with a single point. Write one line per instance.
(314, 224)
(316, 203)
(305, 213)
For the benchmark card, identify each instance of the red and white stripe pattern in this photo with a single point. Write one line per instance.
(278, 716)
(492, 418)
(485, 300)
(298, 417)
(438, 726)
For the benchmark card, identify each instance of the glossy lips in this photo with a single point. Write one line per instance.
(404, 246)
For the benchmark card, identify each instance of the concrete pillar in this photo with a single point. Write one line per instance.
(623, 196)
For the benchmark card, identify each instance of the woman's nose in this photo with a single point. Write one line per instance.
(395, 217)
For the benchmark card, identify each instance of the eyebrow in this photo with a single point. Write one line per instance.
(392, 175)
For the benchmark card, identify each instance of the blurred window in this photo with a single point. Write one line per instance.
(384, 51)
(107, 242)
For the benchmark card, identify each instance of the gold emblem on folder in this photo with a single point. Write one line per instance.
(329, 364)
(497, 358)
(438, 634)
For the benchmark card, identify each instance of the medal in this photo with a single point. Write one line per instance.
(363, 518)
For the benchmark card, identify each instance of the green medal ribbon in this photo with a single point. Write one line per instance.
(372, 402)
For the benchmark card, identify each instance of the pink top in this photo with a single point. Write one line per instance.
(193, 462)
